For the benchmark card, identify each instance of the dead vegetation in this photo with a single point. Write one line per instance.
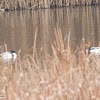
(58, 77)
(34, 4)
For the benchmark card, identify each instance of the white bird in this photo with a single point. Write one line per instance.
(8, 56)
(93, 50)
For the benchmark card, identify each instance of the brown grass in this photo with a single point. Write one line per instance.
(58, 77)
(34, 4)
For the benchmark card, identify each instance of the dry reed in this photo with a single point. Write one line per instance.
(33, 4)
(60, 77)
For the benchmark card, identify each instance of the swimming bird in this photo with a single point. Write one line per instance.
(93, 50)
(8, 56)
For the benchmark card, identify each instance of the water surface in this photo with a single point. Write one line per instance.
(17, 28)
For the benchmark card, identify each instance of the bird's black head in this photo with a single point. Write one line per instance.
(12, 51)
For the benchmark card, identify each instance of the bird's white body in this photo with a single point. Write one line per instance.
(8, 56)
(94, 50)
(2, 10)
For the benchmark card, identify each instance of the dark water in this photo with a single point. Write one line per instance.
(17, 28)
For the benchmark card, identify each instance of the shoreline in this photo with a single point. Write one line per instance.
(6, 10)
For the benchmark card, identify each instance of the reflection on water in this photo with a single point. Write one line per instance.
(17, 28)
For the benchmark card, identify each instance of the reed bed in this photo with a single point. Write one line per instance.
(33, 4)
(63, 76)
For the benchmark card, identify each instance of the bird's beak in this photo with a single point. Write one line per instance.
(0, 55)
